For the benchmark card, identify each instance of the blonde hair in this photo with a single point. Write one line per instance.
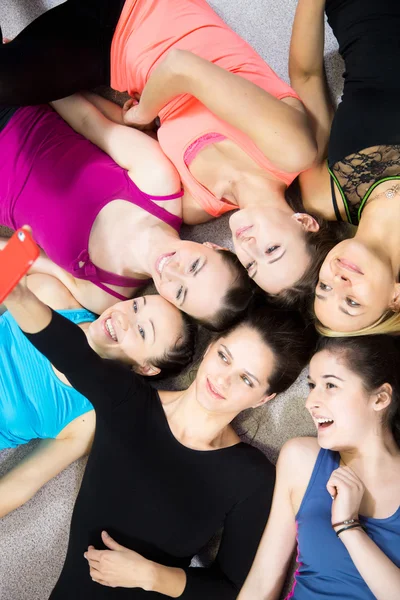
(388, 323)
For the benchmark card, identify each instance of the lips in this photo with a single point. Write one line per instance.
(162, 261)
(349, 266)
(213, 391)
(241, 231)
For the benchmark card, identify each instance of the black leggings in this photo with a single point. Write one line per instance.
(63, 51)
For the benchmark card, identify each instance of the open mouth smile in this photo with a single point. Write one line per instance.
(162, 261)
(109, 329)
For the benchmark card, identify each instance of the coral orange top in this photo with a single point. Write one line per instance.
(146, 31)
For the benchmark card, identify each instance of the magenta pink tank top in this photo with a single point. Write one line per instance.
(56, 181)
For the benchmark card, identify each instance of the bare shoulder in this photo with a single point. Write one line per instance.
(298, 455)
(315, 187)
(51, 291)
(81, 429)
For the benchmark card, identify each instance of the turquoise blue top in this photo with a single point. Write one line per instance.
(34, 403)
(325, 567)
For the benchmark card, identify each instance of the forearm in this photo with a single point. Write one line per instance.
(29, 312)
(306, 57)
(380, 574)
(111, 110)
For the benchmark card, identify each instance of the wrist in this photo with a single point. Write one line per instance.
(169, 581)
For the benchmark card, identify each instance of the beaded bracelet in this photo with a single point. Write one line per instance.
(346, 522)
(354, 526)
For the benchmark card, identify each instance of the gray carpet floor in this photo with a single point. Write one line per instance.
(33, 539)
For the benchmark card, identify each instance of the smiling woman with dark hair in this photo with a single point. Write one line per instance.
(338, 496)
(167, 469)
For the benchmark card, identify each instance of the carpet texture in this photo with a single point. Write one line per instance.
(33, 539)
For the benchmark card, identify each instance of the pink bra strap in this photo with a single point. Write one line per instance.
(110, 291)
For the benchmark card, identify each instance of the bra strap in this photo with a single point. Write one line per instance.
(334, 201)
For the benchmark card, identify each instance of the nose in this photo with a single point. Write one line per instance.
(249, 245)
(312, 401)
(122, 320)
(339, 276)
(223, 380)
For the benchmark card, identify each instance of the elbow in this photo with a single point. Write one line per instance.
(301, 156)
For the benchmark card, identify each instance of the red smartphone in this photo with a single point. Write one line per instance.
(15, 260)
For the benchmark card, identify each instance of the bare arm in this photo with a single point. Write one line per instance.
(268, 573)
(132, 150)
(280, 129)
(306, 69)
(380, 574)
(48, 459)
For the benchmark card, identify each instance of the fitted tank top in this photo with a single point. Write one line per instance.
(364, 144)
(325, 569)
(34, 402)
(146, 31)
(57, 181)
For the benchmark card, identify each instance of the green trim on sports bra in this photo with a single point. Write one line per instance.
(364, 199)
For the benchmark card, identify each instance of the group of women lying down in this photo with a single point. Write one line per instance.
(105, 201)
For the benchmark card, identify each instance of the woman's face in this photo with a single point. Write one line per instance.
(356, 287)
(136, 331)
(194, 278)
(340, 406)
(234, 373)
(270, 243)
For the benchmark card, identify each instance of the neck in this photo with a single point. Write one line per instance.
(196, 427)
(153, 241)
(378, 229)
(376, 452)
(261, 191)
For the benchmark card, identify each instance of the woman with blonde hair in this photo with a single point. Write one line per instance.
(357, 174)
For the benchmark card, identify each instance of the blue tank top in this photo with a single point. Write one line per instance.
(34, 403)
(325, 569)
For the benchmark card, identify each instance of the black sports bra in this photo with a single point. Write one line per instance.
(356, 177)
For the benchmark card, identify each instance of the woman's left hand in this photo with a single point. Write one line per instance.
(347, 491)
(119, 566)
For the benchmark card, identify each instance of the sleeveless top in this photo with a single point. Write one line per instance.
(325, 569)
(55, 180)
(146, 31)
(364, 145)
(34, 403)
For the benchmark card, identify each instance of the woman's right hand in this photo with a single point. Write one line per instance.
(133, 115)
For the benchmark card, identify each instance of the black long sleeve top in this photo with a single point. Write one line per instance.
(151, 493)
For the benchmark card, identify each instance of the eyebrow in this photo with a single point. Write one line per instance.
(334, 377)
(270, 262)
(144, 300)
(247, 372)
(154, 331)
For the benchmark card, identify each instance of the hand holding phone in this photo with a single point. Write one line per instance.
(15, 260)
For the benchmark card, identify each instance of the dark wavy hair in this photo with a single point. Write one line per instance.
(375, 359)
(291, 340)
(318, 243)
(180, 354)
(237, 298)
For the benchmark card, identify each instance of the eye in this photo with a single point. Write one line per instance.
(141, 332)
(179, 293)
(324, 287)
(194, 266)
(222, 356)
(250, 265)
(247, 381)
(271, 249)
(135, 306)
(351, 302)
(311, 386)
(330, 386)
